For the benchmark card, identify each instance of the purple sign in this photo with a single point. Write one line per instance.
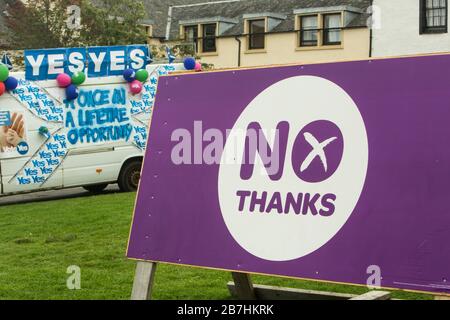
(335, 172)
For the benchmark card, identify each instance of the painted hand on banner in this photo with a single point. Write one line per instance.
(12, 135)
(13, 138)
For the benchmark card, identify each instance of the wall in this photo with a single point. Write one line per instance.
(282, 49)
(399, 31)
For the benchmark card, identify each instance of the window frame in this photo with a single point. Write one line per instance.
(424, 29)
(321, 44)
(148, 30)
(203, 37)
(250, 34)
(301, 30)
(327, 30)
(195, 39)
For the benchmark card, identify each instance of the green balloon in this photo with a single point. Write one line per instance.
(4, 73)
(142, 75)
(78, 78)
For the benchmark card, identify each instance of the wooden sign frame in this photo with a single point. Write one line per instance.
(242, 288)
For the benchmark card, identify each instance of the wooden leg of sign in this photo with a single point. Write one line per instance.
(244, 286)
(262, 292)
(143, 281)
(374, 295)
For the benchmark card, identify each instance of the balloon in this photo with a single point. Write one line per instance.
(63, 80)
(2, 88)
(44, 131)
(71, 92)
(11, 83)
(136, 87)
(142, 75)
(189, 63)
(78, 78)
(129, 75)
(4, 72)
(198, 66)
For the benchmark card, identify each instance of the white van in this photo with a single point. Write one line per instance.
(98, 139)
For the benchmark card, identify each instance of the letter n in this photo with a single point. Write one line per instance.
(272, 158)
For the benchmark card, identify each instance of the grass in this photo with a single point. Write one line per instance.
(39, 241)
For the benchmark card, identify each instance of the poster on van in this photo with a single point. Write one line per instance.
(98, 116)
(13, 134)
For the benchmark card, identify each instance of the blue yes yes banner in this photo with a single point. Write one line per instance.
(46, 64)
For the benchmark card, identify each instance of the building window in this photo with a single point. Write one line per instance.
(433, 16)
(332, 29)
(148, 31)
(309, 31)
(191, 35)
(257, 29)
(321, 30)
(209, 38)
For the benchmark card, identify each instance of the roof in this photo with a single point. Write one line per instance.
(158, 12)
(183, 11)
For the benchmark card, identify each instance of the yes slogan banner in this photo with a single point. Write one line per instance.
(98, 116)
(46, 64)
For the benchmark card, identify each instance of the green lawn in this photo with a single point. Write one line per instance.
(39, 241)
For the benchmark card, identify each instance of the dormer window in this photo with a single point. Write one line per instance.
(204, 32)
(191, 35)
(257, 26)
(148, 27)
(203, 36)
(309, 31)
(320, 30)
(148, 31)
(332, 29)
(256, 34)
(433, 16)
(209, 38)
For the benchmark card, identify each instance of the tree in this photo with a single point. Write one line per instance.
(45, 23)
(39, 24)
(112, 22)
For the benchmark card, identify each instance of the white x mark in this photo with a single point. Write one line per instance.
(318, 151)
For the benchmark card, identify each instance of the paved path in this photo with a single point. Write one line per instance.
(52, 195)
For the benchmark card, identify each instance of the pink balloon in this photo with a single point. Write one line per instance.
(63, 80)
(136, 87)
(198, 66)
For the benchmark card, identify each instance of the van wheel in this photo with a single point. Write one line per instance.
(96, 189)
(130, 175)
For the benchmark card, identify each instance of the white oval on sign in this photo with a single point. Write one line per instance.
(287, 216)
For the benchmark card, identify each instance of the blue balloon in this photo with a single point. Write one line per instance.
(189, 63)
(11, 83)
(71, 92)
(129, 75)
